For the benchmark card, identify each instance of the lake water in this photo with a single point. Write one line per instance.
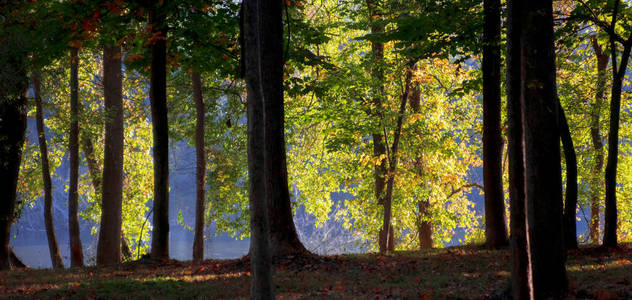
(37, 256)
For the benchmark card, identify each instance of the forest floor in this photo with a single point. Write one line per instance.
(466, 272)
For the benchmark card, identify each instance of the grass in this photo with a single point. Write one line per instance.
(459, 272)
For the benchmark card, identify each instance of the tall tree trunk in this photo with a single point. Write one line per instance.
(596, 181)
(53, 247)
(385, 237)
(258, 18)
(424, 225)
(542, 141)
(158, 97)
(495, 227)
(76, 251)
(13, 129)
(521, 281)
(109, 245)
(95, 172)
(569, 228)
(388, 199)
(610, 212)
(283, 237)
(200, 168)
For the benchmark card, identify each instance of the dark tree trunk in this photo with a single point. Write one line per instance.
(259, 18)
(542, 141)
(522, 287)
(570, 228)
(424, 227)
(16, 262)
(385, 238)
(597, 142)
(610, 212)
(388, 199)
(93, 163)
(109, 245)
(200, 169)
(158, 97)
(53, 247)
(76, 251)
(13, 129)
(95, 176)
(495, 227)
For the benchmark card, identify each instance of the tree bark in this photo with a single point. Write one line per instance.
(388, 199)
(521, 282)
(569, 227)
(258, 18)
(109, 245)
(597, 142)
(385, 237)
(76, 251)
(200, 168)
(13, 129)
(542, 142)
(16, 262)
(424, 227)
(158, 97)
(495, 227)
(95, 172)
(53, 247)
(610, 212)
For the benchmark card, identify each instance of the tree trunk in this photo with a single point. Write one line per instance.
(495, 227)
(13, 129)
(610, 212)
(569, 228)
(76, 251)
(379, 145)
(95, 175)
(158, 97)
(597, 141)
(521, 283)
(542, 142)
(109, 245)
(388, 199)
(259, 17)
(200, 169)
(53, 247)
(16, 262)
(424, 227)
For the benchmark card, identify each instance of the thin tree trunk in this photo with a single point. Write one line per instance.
(200, 168)
(597, 141)
(158, 97)
(388, 199)
(542, 141)
(109, 245)
(424, 225)
(76, 251)
(495, 227)
(13, 129)
(610, 212)
(569, 227)
(53, 247)
(521, 281)
(379, 145)
(258, 17)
